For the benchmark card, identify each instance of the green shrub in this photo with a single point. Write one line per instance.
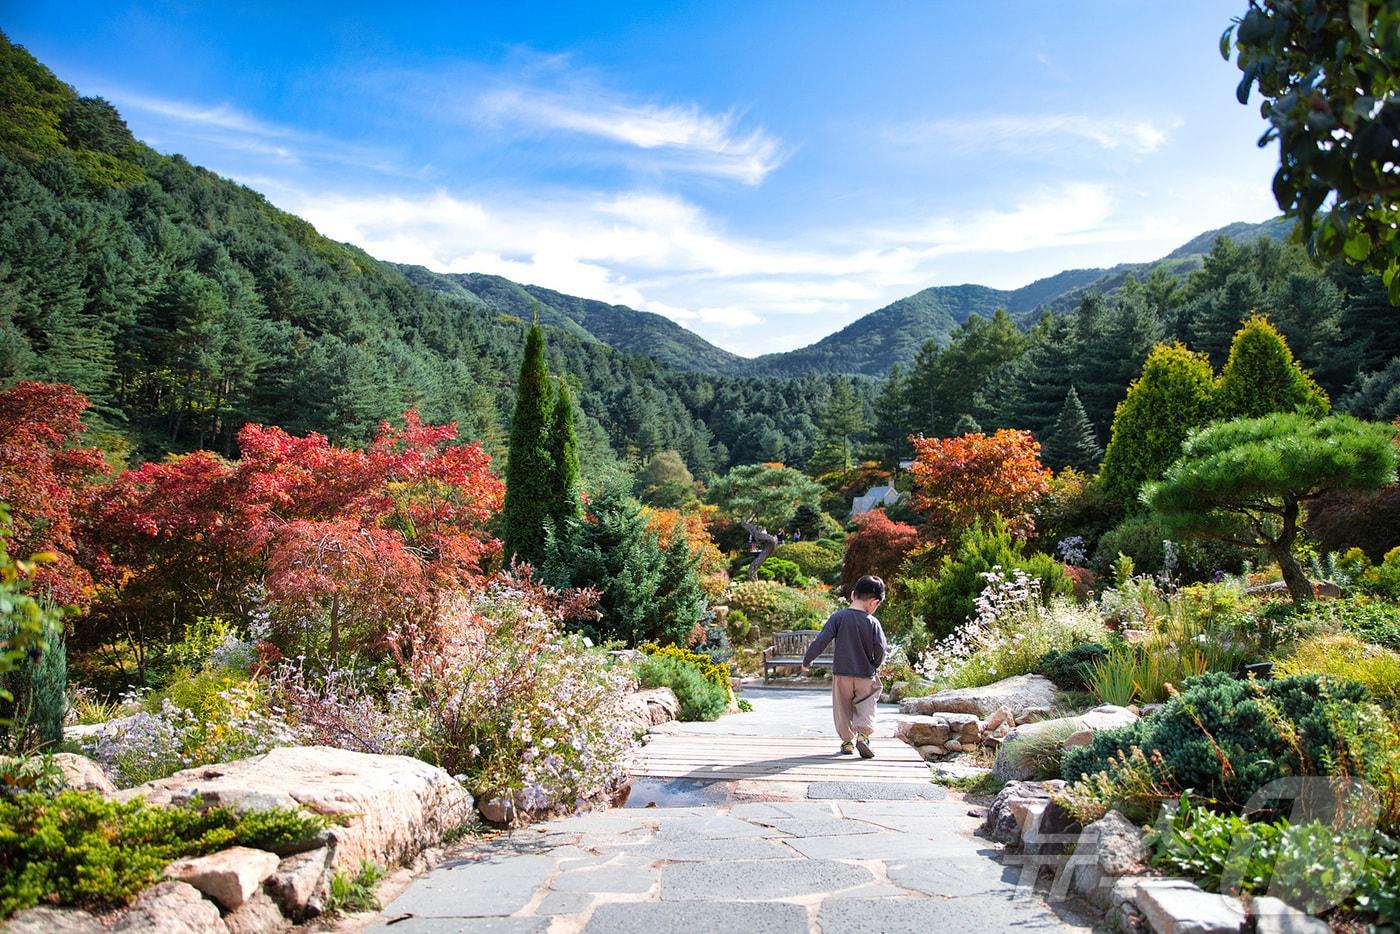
(1226, 738)
(1384, 578)
(1368, 618)
(33, 719)
(701, 699)
(1070, 668)
(1347, 658)
(79, 848)
(772, 607)
(947, 602)
(1226, 853)
(737, 622)
(716, 674)
(1142, 538)
(813, 559)
(784, 572)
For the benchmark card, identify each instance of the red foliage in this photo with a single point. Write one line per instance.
(976, 476)
(1083, 579)
(46, 479)
(362, 533)
(876, 547)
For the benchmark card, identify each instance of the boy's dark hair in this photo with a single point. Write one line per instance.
(867, 587)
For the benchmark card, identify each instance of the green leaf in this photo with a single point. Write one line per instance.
(1358, 246)
(1358, 13)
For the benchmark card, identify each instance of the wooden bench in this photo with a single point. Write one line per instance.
(788, 648)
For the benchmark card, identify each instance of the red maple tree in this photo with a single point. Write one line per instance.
(46, 479)
(877, 546)
(357, 536)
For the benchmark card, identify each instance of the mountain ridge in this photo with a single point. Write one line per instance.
(866, 346)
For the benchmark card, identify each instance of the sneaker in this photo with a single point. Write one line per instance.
(863, 746)
(847, 747)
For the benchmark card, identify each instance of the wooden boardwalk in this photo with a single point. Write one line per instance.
(729, 757)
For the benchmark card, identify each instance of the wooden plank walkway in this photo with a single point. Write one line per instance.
(728, 757)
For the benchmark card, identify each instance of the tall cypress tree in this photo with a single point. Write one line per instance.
(563, 454)
(530, 475)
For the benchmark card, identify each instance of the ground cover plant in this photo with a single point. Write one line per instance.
(1225, 739)
(79, 848)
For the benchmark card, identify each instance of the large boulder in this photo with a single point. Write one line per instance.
(393, 807)
(229, 877)
(171, 908)
(1109, 848)
(651, 707)
(937, 729)
(82, 774)
(1017, 810)
(1013, 764)
(44, 920)
(1015, 694)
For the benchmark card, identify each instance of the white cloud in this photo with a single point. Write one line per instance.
(1035, 133)
(664, 254)
(683, 136)
(178, 124)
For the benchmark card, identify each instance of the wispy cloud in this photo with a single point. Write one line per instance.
(177, 123)
(682, 136)
(1035, 133)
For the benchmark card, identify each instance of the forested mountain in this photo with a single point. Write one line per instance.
(868, 345)
(184, 305)
(615, 325)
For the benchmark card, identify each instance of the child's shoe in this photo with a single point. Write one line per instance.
(863, 746)
(847, 747)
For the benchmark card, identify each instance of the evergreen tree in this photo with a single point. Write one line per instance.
(683, 605)
(1071, 443)
(563, 457)
(965, 425)
(893, 420)
(1261, 376)
(1106, 363)
(1174, 396)
(841, 421)
(611, 549)
(530, 471)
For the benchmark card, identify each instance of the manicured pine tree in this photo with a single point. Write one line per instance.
(1261, 376)
(563, 455)
(1174, 396)
(530, 473)
(1071, 443)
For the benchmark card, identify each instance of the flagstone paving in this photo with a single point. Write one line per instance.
(822, 856)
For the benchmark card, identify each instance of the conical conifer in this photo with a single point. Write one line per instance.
(1071, 443)
(1261, 377)
(530, 475)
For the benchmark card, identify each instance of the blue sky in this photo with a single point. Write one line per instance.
(763, 173)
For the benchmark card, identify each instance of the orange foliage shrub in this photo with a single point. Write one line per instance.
(694, 526)
(977, 476)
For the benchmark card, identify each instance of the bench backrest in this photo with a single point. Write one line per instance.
(796, 643)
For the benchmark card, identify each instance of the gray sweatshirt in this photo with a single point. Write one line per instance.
(860, 643)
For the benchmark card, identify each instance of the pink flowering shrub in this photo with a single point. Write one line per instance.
(493, 690)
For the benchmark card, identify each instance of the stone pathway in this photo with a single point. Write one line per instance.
(771, 854)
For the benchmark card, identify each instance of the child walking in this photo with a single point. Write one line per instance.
(860, 650)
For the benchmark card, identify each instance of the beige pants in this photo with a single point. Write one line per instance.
(853, 703)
